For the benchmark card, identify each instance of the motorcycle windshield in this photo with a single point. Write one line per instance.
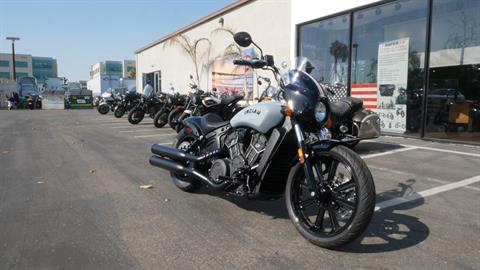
(301, 89)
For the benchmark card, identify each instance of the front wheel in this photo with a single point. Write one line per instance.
(161, 118)
(340, 208)
(103, 109)
(119, 111)
(173, 117)
(136, 116)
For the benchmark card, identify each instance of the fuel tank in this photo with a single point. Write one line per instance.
(262, 116)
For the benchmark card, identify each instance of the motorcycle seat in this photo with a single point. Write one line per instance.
(231, 99)
(345, 107)
(210, 122)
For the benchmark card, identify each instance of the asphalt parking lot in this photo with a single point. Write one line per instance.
(70, 199)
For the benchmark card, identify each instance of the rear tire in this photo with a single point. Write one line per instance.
(345, 199)
(173, 117)
(103, 109)
(183, 182)
(136, 116)
(161, 118)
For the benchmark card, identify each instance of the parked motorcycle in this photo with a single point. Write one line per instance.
(350, 122)
(150, 104)
(269, 149)
(202, 103)
(126, 103)
(107, 102)
(172, 102)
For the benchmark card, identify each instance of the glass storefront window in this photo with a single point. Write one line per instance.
(326, 44)
(453, 101)
(388, 51)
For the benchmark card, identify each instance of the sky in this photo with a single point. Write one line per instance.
(80, 33)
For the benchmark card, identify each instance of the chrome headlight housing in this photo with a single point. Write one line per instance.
(320, 112)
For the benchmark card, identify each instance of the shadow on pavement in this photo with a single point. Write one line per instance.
(389, 230)
(375, 147)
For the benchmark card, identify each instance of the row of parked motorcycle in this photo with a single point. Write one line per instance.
(295, 142)
(166, 108)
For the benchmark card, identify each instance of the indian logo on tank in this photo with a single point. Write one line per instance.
(253, 110)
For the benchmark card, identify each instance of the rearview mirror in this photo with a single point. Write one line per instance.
(243, 39)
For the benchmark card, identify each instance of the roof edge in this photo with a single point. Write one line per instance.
(194, 24)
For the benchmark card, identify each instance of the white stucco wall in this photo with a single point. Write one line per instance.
(307, 10)
(268, 21)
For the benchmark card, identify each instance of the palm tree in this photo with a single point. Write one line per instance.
(339, 51)
(232, 49)
(191, 49)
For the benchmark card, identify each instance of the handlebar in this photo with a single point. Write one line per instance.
(254, 63)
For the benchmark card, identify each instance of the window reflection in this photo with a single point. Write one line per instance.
(454, 94)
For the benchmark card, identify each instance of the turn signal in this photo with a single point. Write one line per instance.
(329, 123)
(301, 157)
(286, 111)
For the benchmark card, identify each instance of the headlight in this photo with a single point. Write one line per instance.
(320, 112)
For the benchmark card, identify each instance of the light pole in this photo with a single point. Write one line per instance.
(13, 39)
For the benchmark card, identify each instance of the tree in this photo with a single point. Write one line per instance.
(465, 34)
(232, 49)
(132, 73)
(339, 51)
(191, 49)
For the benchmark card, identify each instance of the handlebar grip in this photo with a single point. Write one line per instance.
(241, 62)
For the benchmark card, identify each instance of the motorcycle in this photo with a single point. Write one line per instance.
(149, 104)
(202, 103)
(270, 149)
(350, 122)
(126, 103)
(107, 102)
(172, 102)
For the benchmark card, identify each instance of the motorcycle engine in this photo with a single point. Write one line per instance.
(245, 148)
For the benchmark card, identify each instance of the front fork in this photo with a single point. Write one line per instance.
(305, 158)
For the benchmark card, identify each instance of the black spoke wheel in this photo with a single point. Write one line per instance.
(136, 116)
(340, 207)
(119, 111)
(160, 119)
(103, 109)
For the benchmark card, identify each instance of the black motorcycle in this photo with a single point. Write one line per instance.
(108, 101)
(171, 102)
(201, 103)
(274, 148)
(126, 103)
(150, 104)
(350, 122)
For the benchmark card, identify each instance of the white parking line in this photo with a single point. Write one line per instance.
(132, 126)
(388, 152)
(427, 193)
(155, 135)
(427, 148)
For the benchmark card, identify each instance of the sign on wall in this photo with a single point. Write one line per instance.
(392, 78)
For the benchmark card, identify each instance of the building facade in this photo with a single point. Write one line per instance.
(415, 62)
(26, 65)
(111, 74)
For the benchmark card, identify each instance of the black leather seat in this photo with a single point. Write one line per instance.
(231, 99)
(210, 122)
(345, 107)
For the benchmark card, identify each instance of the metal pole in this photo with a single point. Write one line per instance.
(13, 60)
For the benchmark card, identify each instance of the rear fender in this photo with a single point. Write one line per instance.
(192, 125)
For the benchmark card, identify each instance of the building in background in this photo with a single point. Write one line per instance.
(26, 65)
(111, 74)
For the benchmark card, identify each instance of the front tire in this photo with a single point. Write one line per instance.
(103, 109)
(184, 182)
(173, 117)
(341, 207)
(136, 116)
(119, 111)
(160, 119)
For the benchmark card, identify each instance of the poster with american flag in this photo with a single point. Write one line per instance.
(367, 93)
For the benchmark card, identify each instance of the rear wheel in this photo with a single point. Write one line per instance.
(161, 118)
(136, 116)
(340, 208)
(173, 117)
(184, 182)
(103, 109)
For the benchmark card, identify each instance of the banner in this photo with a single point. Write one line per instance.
(392, 78)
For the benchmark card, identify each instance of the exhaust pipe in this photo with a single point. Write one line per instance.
(173, 166)
(179, 155)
